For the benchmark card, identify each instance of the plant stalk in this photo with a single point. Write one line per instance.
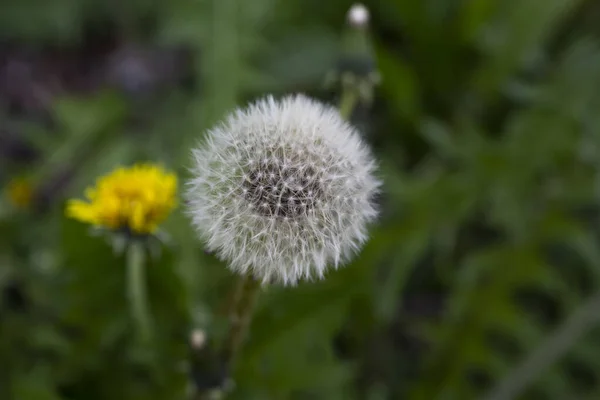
(348, 101)
(136, 285)
(240, 315)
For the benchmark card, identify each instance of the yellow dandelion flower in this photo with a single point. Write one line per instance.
(137, 199)
(20, 192)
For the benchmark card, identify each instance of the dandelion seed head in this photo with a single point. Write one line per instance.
(283, 189)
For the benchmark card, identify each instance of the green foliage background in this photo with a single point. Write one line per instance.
(487, 127)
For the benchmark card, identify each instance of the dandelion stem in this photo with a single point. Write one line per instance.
(240, 314)
(348, 101)
(137, 289)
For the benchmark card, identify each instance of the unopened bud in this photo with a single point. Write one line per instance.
(197, 339)
(358, 15)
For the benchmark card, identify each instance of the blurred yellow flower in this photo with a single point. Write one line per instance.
(138, 199)
(20, 192)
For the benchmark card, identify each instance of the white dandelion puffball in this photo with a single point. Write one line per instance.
(283, 189)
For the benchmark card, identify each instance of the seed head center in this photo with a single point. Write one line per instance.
(287, 193)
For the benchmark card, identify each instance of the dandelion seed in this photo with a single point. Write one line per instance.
(282, 213)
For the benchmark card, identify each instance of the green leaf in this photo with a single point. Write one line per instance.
(520, 29)
(401, 85)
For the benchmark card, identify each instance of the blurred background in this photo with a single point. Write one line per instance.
(480, 281)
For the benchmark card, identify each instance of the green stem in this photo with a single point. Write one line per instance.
(348, 101)
(240, 315)
(136, 284)
(240, 309)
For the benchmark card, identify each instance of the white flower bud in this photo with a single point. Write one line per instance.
(358, 15)
(198, 339)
